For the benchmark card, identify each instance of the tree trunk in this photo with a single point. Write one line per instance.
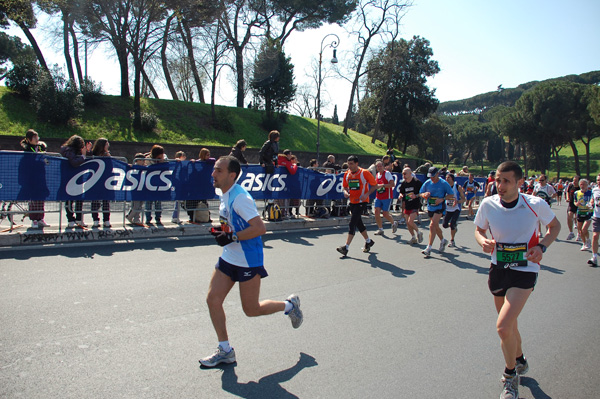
(66, 48)
(239, 66)
(524, 151)
(587, 157)
(355, 84)
(576, 156)
(187, 41)
(76, 55)
(149, 83)
(163, 57)
(137, 105)
(122, 55)
(380, 114)
(36, 48)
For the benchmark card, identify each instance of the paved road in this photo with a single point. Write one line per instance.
(129, 321)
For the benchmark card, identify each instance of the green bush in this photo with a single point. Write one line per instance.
(92, 93)
(22, 77)
(149, 121)
(223, 122)
(55, 99)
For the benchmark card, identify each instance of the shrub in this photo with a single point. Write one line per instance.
(148, 121)
(55, 99)
(222, 121)
(22, 77)
(92, 93)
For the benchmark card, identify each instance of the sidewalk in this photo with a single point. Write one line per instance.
(23, 236)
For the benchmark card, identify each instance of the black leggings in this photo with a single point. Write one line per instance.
(356, 219)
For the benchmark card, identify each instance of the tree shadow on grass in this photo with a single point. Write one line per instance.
(268, 386)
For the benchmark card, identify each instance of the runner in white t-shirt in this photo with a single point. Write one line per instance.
(595, 223)
(241, 261)
(512, 221)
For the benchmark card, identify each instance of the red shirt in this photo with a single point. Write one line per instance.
(386, 192)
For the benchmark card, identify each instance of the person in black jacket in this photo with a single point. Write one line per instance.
(73, 149)
(269, 152)
(32, 143)
(238, 151)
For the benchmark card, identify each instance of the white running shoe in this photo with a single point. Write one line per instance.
(570, 236)
(35, 224)
(72, 224)
(426, 252)
(81, 224)
(413, 240)
(511, 386)
(96, 223)
(394, 227)
(420, 237)
(220, 356)
(175, 220)
(107, 225)
(379, 232)
(443, 245)
(42, 223)
(295, 314)
(452, 244)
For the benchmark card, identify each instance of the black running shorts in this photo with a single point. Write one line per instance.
(501, 279)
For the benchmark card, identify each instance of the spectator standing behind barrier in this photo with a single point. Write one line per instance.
(179, 156)
(192, 205)
(238, 151)
(136, 206)
(100, 149)
(330, 163)
(285, 160)
(269, 151)
(311, 203)
(157, 155)
(73, 150)
(32, 143)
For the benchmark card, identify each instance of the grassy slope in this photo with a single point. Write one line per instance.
(184, 123)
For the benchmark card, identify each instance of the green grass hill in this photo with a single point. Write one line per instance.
(183, 123)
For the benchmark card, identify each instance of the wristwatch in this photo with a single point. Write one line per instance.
(234, 237)
(543, 247)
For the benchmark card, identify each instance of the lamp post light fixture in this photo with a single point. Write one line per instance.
(334, 60)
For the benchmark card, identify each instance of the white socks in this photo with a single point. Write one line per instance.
(288, 307)
(225, 346)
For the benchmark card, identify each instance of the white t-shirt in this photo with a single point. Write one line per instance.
(236, 209)
(545, 192)
(518, 225)
(596, 197)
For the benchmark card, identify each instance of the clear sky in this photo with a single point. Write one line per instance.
(478, 44)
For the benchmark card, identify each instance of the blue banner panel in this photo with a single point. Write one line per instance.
(29, 176)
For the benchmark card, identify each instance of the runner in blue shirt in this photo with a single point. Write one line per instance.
(242, 260)
(436, 191)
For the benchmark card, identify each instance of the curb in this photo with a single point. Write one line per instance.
(132, 233)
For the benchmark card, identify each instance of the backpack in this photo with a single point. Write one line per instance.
(272, 213)
(201, 214)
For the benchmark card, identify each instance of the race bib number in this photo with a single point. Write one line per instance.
(431, 201)
(354, 184)
(511, 255)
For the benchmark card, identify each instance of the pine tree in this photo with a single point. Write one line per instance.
(335, 119)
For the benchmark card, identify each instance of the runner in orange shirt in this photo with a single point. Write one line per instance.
(358, 185)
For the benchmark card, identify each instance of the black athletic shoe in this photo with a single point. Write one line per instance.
(368, 246)
(343, 250)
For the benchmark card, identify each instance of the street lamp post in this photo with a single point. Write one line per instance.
(334, 60)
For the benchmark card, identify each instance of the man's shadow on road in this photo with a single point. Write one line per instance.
(376, 263)
(534, 387)
(268, 386)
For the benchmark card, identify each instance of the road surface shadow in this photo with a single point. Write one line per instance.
(376, 263)
(452, 257)
(534, 387)
(268, 386)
